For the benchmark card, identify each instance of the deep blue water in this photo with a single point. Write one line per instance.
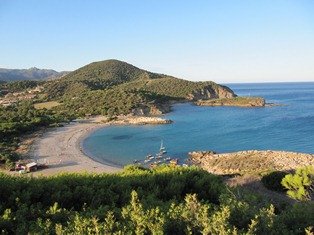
(223, 129)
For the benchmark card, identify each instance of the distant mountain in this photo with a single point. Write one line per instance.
(29, 74)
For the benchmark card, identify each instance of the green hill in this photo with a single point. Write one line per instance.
(111, 70)
(115, 87)
(99, 75)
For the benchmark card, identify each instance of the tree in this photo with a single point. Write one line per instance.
(301, 184)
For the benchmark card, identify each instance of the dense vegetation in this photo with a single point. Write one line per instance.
(139, 201)
(97, 76)
(18, 86)
(19, 119)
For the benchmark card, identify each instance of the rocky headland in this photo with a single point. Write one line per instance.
(234, 101)
(211, 92)
(139, 120)
(125, 120)
(252, 161)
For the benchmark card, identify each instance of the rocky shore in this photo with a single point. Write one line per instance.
(140, 121)
(236, 101)
(127, 120)
(252, 161)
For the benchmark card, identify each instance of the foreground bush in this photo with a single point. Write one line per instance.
(165, 200)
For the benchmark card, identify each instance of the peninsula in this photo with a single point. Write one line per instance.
(234, 101)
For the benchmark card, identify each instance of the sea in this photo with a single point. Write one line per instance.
(288, 126)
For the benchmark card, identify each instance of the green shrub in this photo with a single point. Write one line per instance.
(300, 185)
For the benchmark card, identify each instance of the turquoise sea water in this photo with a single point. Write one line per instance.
(223, 129)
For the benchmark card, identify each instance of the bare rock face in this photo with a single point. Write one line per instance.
(153, 110)
(224, 92)
(211, 92)
(140, 111)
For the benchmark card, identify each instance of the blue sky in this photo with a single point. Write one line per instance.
(224, 41)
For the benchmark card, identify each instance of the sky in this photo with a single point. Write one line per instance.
(221, 40)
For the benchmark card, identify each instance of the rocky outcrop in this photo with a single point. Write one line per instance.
(152, 110)
(252, 161)
(141, 111)
(236, 101)
(125, 120)
(211, 92)
(136, 120)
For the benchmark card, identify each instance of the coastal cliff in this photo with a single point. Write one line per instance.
(208, 93)
(152, 110)
(211, 92)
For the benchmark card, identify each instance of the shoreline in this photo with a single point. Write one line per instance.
(79, 144)
(61, 149)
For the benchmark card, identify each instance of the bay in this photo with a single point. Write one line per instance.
(288, 127)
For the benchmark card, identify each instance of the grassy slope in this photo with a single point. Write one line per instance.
(46, 105)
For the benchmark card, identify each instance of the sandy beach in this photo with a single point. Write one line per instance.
(60, 148)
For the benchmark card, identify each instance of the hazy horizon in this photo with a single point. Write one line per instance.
(223, 41)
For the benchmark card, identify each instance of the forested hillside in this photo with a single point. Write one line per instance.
(114, 87)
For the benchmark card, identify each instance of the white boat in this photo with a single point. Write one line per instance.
(159, 156)
(162, 149)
